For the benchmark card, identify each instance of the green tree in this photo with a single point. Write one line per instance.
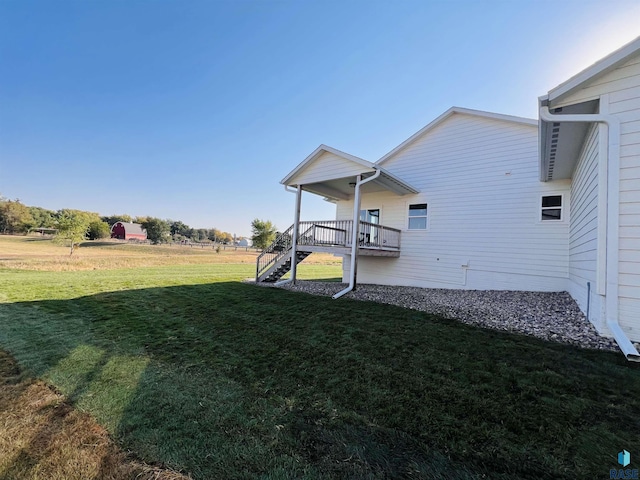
(158, 230)
(73, 226)
(98, 229)
(179, 228)
(15, 217)
(113, 219)
(264, 233)
(200, 234)
(43, 218)
(214, 235)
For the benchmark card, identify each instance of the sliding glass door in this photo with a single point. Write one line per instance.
(369, 233)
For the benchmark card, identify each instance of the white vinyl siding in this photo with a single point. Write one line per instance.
(326, 167)
(622, 87)
(625, 103)
(583, 230)
(479, 177)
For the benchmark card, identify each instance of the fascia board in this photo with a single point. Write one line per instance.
(319, 151)
(598, 69)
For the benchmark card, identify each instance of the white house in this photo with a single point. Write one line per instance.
(479, 200)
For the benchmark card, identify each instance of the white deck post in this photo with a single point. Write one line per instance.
(294, 240)
(354, 234)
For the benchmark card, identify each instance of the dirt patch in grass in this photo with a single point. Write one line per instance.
(42, 437)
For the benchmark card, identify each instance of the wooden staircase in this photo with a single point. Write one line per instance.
(329, 236)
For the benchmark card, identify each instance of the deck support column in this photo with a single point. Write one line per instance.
(294, 240)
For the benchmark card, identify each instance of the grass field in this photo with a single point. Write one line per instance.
(191, 369)
(39, 253)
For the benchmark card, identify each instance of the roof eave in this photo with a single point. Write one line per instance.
(403, 188)
(542, 141)
(319, 151)
(601, 67)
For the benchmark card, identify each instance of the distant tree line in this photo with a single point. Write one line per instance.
(78, 225)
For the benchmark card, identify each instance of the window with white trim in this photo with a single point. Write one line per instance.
(418, 216)
(551, 208)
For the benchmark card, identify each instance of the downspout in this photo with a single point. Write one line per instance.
(610, 189)
(354, 233)
(294, 239)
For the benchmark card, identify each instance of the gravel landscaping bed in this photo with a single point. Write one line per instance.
(550, 316)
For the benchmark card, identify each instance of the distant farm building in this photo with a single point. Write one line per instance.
(244, 242)
(128, 231)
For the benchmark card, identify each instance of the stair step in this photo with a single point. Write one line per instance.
(278, 272)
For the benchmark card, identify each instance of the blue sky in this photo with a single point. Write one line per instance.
(196, 110)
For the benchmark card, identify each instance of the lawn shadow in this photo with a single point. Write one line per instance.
(229, 380)
(96, 243)
(44, 238)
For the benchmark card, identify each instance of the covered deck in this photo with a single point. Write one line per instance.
(336, 176)
(328, 236)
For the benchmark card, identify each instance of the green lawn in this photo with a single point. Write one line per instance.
(189, 367)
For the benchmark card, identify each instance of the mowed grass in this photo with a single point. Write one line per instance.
(189, 368)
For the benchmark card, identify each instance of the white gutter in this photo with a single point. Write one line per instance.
(608, 206)
(354, 233)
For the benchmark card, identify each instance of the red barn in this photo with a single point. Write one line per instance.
(128, 231)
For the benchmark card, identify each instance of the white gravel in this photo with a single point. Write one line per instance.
(550, 316)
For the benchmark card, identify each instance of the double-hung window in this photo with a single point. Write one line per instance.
(418, 216)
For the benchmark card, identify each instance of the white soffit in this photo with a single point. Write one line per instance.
(561, 142)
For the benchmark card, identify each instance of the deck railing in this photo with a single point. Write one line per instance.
(371, 235)
(325, 232)
(274, 252)
(328, 233)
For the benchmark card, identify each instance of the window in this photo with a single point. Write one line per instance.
(371, 216)
(418, 216)
(551, 208)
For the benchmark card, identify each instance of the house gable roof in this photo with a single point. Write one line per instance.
(561, 142)
(339, 186)
(317, 153)
(449, 113)
(597, 70)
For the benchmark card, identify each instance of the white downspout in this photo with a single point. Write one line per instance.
(611, 191)
(354, 233)
(294, 239)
